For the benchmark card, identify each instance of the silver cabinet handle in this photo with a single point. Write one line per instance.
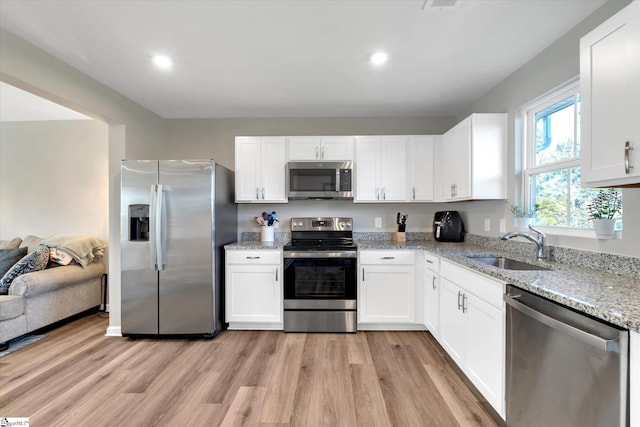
(253, 257)
(414, 193)
(323, 153)
(377, 193)
(277, 275)
(433, 281)
(363, 274)
(262, 193)
(429, 261)
(257, 193)
(317, 152)
(459, 302)
(387, 257)
(627, 155)
(464, 303)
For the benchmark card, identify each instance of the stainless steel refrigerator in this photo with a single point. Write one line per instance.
(176, 216)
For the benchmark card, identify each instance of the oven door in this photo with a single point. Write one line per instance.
(321, 277)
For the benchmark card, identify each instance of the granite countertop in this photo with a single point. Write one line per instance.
(256, 244)
(606, 296)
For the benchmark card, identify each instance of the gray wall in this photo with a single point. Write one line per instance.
(214, 138)
(553, 67)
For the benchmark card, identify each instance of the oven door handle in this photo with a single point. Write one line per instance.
(321, 254)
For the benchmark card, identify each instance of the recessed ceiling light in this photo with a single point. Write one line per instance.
(378, 58)
(162, 61)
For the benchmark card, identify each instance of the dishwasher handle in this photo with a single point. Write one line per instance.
(600, 343)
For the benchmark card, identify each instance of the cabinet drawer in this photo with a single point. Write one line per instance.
(486, 288)
(394, 257)
(253, 257)
(432, 262)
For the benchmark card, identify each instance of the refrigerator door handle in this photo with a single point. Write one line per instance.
(161, 228)
(153, 227)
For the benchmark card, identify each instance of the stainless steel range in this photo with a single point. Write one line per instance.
(320, 278)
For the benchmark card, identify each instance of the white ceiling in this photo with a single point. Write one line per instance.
(296, 58)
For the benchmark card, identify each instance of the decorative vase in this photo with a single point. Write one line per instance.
(604, 227)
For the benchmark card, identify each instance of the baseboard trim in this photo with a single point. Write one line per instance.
(114, 331)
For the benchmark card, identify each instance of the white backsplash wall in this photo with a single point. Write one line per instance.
(364, 214)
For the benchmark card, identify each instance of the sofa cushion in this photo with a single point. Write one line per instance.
(31, 243)
(11, 306)
(8, 257)
(36, 260)
(10, 244)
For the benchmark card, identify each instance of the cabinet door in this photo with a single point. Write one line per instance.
(431, 302)
(336, 148)
(273, 167)
(387, 294)
(304, 148)
(452, 321)
(253, 293)
(393, 170)
(456, 149)
(367, 158)
(485, 349)
(247, 174)
(421, 164)
(610, 90)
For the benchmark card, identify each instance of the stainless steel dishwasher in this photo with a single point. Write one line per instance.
(563, 368)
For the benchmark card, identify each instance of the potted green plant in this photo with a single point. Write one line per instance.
(603, 208)
(523, 217)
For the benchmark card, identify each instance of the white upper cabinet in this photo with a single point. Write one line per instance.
(473, 159)
(330, 148)
(381, 172)
(421, 164)
(610, 91)
(260, 169)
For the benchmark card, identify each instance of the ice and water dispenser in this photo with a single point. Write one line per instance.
(139, 223)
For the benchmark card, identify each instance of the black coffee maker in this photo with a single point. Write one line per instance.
(448, 227)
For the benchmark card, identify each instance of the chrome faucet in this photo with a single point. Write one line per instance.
(539, 240)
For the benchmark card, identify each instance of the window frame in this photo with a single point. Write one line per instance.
(529, 168)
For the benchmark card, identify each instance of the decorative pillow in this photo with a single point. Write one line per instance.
(8, 257)
(36, 260)
(10, 244)
(59, 256)
(31, 243)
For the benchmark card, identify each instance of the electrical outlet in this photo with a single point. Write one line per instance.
(378, 222)
(487, 224)
(503, 225)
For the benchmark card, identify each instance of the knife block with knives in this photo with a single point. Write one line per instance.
(401, 221)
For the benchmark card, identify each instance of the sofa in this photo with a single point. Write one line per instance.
(40, 298)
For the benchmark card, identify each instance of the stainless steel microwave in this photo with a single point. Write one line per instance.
(320, 180)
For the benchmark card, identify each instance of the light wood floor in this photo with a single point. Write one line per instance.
(78, 377)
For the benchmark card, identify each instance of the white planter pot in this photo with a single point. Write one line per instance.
(605, 228)
(523, 223)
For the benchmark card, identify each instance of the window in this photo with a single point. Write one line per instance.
(552, 160)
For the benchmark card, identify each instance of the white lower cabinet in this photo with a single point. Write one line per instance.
(431, 283)
(472, 328)
(386, 291)
(634, 378)
(253, 289)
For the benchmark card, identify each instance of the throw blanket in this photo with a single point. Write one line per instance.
(82, 248)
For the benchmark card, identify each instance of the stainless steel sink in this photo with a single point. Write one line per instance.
(506, 263)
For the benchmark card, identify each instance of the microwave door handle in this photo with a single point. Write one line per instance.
(337, 180)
